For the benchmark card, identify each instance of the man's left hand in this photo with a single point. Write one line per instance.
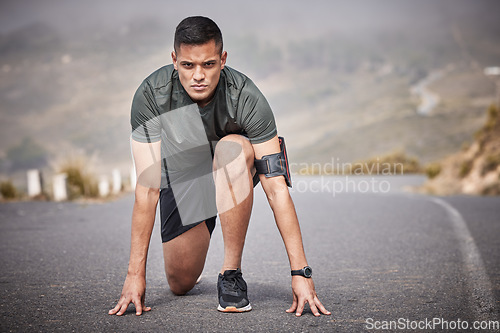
(303, 292)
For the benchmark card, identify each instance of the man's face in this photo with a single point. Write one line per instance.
(199, 69)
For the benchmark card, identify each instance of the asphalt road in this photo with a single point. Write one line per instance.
(378, 254)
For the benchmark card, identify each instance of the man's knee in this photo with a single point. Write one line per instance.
(233, 151)
(233, 164)
(180, 284)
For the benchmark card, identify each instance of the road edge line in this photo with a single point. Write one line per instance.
(483, 302)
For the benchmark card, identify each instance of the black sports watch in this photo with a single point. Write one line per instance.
(305, 272)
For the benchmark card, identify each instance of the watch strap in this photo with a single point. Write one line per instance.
(302, 272)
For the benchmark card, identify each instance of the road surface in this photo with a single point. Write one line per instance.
(379, 254)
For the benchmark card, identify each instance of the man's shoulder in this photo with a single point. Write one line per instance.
(161, 77)
(239, 84)
(234, 78)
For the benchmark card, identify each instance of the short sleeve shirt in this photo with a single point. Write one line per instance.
(163, 111)
(238, 107)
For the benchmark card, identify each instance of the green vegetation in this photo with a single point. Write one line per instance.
(81, 183)
(432, 170)
(396, 163)
(8, 190)
(493, 189)
(492, 114)
(483, 162)
(465, 168)
(491, 163)
(492, 117)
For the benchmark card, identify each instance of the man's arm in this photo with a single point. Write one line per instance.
(286, 219)
(147, 157)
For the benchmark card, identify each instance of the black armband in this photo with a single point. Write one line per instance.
(275, 164)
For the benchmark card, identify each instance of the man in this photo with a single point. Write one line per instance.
(199, 130)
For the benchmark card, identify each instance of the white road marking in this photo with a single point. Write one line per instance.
(482, 300)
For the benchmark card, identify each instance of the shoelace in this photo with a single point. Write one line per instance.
(233, 279)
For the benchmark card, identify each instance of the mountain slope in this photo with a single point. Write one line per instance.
(475, 170)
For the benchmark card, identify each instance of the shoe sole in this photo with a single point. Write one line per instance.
(234, 309)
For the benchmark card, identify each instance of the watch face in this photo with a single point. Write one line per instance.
(307, 271)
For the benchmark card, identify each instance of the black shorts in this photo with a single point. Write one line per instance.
(171, 223)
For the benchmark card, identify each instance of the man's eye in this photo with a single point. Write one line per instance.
(209, 64)
(188, 65)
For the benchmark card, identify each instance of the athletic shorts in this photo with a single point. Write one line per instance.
(171, 223)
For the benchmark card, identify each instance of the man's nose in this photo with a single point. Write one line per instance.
(199, 75)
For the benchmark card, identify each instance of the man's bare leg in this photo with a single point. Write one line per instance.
(185, 258)
(233, 164)
(185, 255)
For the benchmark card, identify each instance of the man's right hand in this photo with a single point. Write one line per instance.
(134, 291)
(147, 161)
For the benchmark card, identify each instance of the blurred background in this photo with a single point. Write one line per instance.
(347, 80)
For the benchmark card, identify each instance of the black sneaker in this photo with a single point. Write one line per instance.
(232, 290)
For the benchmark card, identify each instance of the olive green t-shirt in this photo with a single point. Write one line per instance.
(238, 107)
(163, 111)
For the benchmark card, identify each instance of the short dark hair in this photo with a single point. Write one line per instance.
(197, 30)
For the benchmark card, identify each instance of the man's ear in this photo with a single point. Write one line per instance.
(223, 59)
(174, 59)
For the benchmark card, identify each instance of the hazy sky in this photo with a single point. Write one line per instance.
(420, 31)
(287, 18)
